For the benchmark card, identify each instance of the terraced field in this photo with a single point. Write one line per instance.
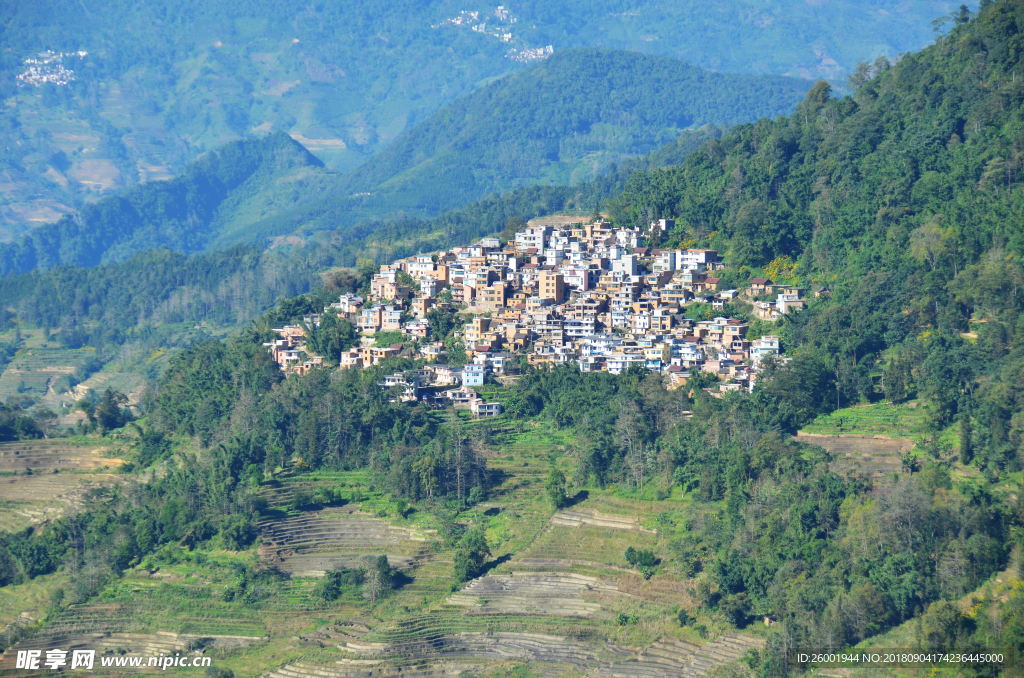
(863, 455)
(33, 370)
(559, 546)
(46, 455)
(548, 654)
(877, 419)
(147, 645)
(364, 669)
(180, 608)
(672, 658)
(595, 519)
(316, 541)
(132, 385)
(554, 594)
(62, 471)
(558, 596)
(161, 642)
(30, 499)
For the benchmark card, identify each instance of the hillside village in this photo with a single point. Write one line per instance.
(478, 24)
(587, 294)
(48, 67)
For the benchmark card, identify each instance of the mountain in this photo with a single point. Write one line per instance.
(182, 214)
(229, 287)
(561, 121)
(163, 82)
(904, 200)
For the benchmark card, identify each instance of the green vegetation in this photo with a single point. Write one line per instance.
(14, 425)
(555, 488)
(178, 214)
(881, 418)
(471, 555)
(561, 121)
(902, 200)
(154, 93)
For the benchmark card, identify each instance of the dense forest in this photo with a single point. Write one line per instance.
(903, 201)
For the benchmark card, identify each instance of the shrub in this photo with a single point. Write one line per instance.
(377, 579)
(472, 553)
(335, 581)
(238, 533)
(736, 609)
(684, 617)
(555, 488)
(644, 558)
(301, 500)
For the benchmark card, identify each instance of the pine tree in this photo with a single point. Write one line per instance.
(966, 453)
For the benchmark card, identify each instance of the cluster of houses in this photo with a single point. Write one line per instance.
(586, 294)
(478, 24)
(527, 54)
(48, 66)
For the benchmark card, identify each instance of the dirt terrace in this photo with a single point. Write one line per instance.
(864, 455)
(316, 541)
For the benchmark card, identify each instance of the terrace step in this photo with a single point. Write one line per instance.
(596, 519)
(48, 454)
(329, 539)
(554, 594)
(523, 646)
(672, 658)
(156, 644)
(346, 669)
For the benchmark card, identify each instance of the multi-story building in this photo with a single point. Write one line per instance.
(473, 374)
(551, 286)
(494, 296)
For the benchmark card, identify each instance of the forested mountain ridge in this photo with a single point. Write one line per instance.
(253, 190)
(179, 214)
(162, 84)
(905, 199)
(560, 121)
(563, 121)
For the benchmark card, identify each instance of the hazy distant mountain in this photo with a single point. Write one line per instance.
(560, 122)
(165, 81)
